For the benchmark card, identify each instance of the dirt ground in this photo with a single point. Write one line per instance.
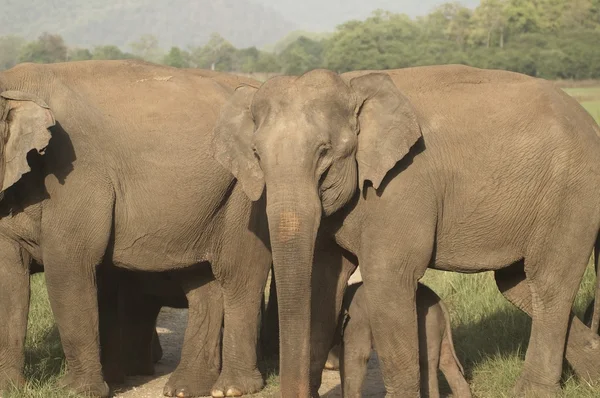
(171, 326)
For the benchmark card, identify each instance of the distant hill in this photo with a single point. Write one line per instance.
(174, 22)
(325, 15)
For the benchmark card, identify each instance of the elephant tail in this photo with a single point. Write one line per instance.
(448, 336)
(596, 314)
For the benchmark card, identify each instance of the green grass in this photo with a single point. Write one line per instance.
(490, 334)
(43, 353)
(589, 97)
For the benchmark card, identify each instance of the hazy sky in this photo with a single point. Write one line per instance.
(326, 14)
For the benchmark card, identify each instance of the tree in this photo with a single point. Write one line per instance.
(489, 23)
(301, 56)
(456, 20)
(147, 48)
(217, 54)
(46, 49)
(110, 52)
(177, 58)
(79, 54)
(10, 49)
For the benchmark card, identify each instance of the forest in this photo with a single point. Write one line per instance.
(553, 39)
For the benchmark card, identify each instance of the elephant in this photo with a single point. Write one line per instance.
(436, 348)
(109, 162)
(128, 312)
(449, 167)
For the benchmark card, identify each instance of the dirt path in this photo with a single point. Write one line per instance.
(171, 326)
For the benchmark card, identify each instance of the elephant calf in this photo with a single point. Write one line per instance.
(435, 344)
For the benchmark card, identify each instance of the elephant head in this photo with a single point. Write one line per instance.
(313, 141)
(24, 124)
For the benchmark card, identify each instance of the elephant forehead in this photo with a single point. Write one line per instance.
(314, 92)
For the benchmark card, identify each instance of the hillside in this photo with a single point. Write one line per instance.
(324, 15)
(174, 22)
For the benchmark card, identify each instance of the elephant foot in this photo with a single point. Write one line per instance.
(91, 386)
(11, 380)
(232, 384)
(192, 383)
(330, 365)
(530, 389)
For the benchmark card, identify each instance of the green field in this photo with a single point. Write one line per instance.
(490, 334)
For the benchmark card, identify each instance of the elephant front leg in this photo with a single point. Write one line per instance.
(331, 270)
(390, 282)
(200, 361)
(76, 228)
(14, 308)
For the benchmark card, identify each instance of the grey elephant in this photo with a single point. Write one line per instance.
(110, 161)
(436, 348)
(450, 167)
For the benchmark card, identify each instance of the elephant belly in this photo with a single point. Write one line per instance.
(172, 227)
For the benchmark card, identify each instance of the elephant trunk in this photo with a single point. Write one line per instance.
(294, 214)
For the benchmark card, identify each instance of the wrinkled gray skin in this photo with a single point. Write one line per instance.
(449, 167)
(436, 348)
(126, 178)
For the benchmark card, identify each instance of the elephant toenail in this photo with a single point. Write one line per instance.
(233, 392)
(217, 393)
(181, 394)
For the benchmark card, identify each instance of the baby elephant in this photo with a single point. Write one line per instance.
(435, 344)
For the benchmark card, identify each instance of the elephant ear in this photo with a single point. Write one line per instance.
(28, 119)
(388, 126)
(232, 142)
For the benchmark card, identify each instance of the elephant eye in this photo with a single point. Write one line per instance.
(256, 155)
(323, 149)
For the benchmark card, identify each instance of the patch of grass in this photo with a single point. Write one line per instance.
(589, 97)
(44, 358)
(491, 335)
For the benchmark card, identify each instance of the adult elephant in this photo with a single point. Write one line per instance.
(126, 178)
(449, 167)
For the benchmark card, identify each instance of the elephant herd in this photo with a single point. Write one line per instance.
(207, 180)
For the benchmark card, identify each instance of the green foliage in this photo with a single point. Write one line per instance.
(301, 55)
(79, 54)
(177, 58)
(46, 49)
(147, 48)
(553, 39)
(110, 52)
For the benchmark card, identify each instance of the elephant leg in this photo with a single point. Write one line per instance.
(390, 274)
(582, 345)
(242, 301)
(137, 313)
(331, 270)
(14, 309)
(355, 351)
(200, 361)
(74, 246)
(111, 347)
(333, 358)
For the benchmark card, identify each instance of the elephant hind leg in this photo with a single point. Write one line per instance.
(582, 347)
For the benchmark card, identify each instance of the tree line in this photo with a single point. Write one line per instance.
(554, 39)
